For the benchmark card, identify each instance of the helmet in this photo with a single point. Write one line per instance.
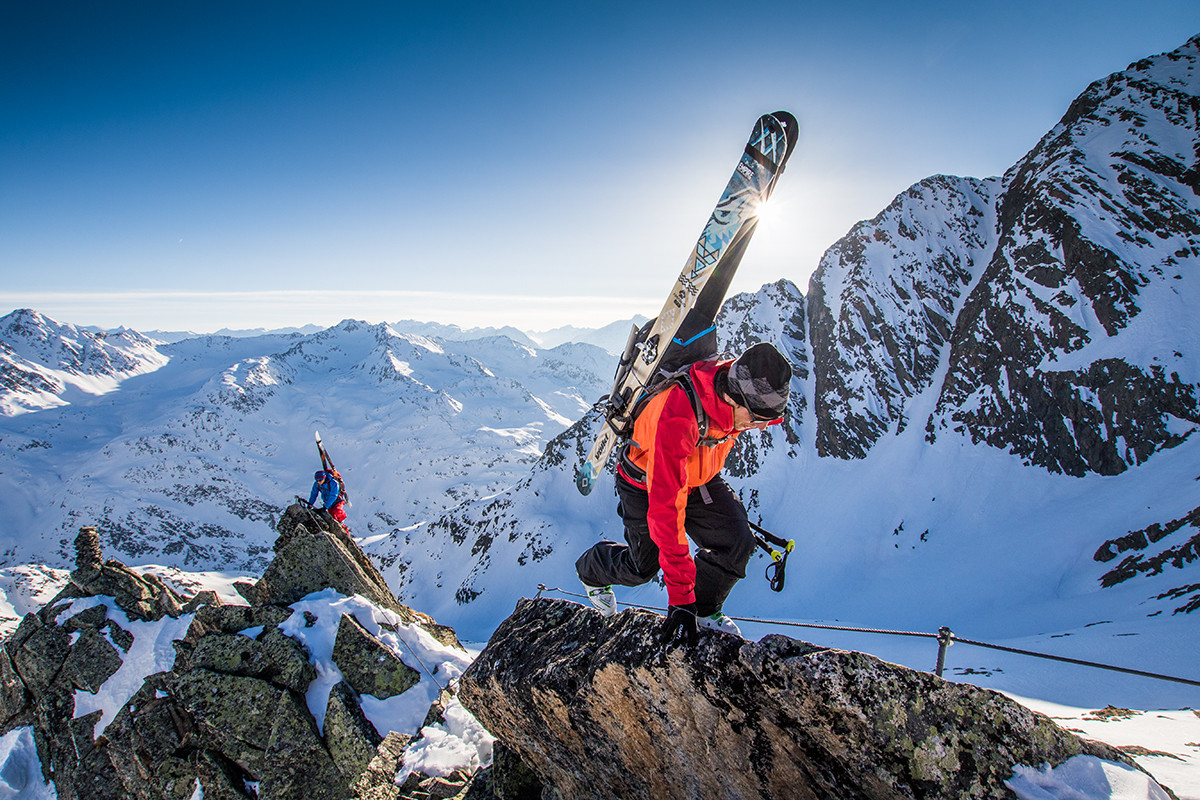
(320, 474)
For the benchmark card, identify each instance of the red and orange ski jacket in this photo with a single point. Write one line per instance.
(666, 448)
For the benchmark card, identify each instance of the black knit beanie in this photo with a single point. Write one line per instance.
(760, 380)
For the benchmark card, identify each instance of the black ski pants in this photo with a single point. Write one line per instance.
(715, 521)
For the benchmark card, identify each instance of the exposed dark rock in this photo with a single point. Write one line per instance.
(1176, 552)
(267, 731)
(91, 661)
(273, 657)
(435, 787)
(377, 782)
(151, 745)
(313, 552)
(308, 560)
(205, 598)
(599, 710)
(368, 665)
(87, 549)
(39, 651)
(350, 736)
(50, 657)
(14, 698)
(510, 777)
(233, 619)
(232, 710)
(141, 597)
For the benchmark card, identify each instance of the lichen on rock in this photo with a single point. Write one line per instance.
(599, 709)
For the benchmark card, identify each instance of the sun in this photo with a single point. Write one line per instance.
(767, 213)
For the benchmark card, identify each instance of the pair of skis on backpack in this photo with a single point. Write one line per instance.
(685, 329)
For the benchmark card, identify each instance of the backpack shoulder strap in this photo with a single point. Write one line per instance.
(685, 382)
(683, 379)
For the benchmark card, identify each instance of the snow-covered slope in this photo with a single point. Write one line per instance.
(189, 467)
(44, 364)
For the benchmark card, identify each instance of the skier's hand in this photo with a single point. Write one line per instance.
(680, 624)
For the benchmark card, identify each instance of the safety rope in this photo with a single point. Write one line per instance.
(945, 638)
(408, 647)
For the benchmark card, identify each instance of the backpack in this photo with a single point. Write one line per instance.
(343, 496)
(695, 340)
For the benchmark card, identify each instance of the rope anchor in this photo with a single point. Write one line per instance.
(945, 638)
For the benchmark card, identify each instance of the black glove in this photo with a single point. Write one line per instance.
(680, 624)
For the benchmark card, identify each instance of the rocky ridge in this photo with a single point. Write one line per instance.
(598, 709)
(1038, 308)
(232, 715)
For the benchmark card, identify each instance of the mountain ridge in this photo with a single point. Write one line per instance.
(994, 390)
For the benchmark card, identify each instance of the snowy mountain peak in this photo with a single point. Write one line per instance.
(1074, 351)
(47, 363)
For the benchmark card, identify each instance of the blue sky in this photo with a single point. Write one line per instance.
(245, 164)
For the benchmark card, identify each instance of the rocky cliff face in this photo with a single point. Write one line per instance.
(883, 308)
(1097, 227)
(598, 709)
(1037, 308)
(323, 687)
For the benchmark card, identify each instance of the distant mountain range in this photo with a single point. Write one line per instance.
(188, 463)
(610, 337)
(992, 423)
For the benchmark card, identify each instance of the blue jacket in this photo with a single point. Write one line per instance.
(329, 492)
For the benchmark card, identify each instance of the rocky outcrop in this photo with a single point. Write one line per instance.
(231, 717)
(598, 709)
(1143, 561)
(50, 658)
(313, 552)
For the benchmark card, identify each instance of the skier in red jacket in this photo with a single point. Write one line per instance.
(670, 489)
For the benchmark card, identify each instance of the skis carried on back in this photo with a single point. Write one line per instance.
(327, 465)
(687, 318)
(326, 461)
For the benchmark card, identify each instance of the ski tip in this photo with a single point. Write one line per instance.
(791, 127)
(785, 118)
(585, 479)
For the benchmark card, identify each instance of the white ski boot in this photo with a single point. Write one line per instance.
(602, 599)
(719, 622)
